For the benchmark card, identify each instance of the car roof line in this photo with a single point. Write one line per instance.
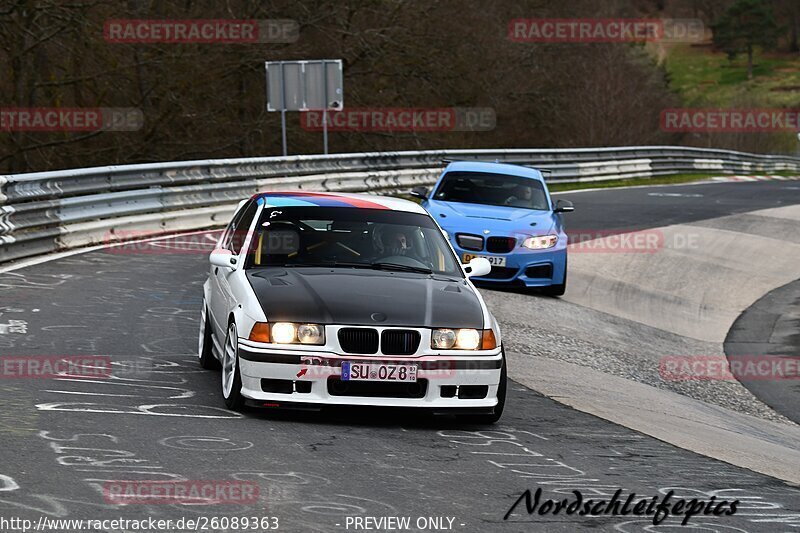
(497, 161)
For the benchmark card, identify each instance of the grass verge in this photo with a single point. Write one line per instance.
(658, 180)
(554, 186)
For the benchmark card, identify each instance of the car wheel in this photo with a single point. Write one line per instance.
(501, 401)
(205, 350)
(231, 379)
(560, 289)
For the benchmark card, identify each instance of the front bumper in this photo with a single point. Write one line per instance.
(274, 377)
(533, 268)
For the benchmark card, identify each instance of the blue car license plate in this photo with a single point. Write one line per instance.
(494, 260)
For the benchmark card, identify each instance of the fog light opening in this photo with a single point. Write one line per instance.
(339, 386)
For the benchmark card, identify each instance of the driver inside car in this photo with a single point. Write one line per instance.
(521, 197)
(396, 241)
(399, 244)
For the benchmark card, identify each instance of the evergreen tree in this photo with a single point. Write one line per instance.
(744, 26)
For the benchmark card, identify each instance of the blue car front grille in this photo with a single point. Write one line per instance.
(500, 245)
(469, 242)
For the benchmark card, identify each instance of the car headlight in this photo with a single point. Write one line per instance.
(540, 243)
(288, 333)
(463, 339)
(311, 334)
(443, 339)
(468, 339)
(284, 333)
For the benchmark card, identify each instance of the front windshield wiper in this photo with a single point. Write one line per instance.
(401, 268)
(332, 264)
(355, 264)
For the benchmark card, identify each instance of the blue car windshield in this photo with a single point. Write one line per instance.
(492, 189)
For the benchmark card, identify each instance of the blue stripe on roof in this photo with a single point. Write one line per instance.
(305, 201)
(277, 201)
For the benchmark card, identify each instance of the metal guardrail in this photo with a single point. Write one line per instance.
(48, 211)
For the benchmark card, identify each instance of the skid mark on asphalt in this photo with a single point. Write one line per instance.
(371, 463)
(374, 463)
(120, 393)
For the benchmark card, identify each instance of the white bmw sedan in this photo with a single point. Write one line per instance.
(317, 299)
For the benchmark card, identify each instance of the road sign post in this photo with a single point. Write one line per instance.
(308, 85)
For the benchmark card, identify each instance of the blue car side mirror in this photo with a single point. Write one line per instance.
(420, 192)
(564, 206)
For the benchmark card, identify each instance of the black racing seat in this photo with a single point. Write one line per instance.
(277, 243)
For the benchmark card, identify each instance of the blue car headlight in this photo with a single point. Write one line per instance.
(540, 243)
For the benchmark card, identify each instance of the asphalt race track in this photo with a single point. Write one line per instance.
(161, 417)
(771, 326)
(648, 207)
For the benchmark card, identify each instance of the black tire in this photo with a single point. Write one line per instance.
(205, 351)
(233, 397)
(560, 289)
(491, 418)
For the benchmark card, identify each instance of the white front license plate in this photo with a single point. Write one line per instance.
(493, 259)
(378, 372)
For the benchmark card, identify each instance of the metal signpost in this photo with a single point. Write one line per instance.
(308, 85)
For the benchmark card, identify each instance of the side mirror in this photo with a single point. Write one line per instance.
(564, 206)
(420, 192)
(478, 266)
(222, 258)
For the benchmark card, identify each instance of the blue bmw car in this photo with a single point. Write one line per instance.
(503, 213)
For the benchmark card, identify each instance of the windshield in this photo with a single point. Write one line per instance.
(492, 189)
(350, 238)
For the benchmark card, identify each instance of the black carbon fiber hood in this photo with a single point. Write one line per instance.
(356, 296)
